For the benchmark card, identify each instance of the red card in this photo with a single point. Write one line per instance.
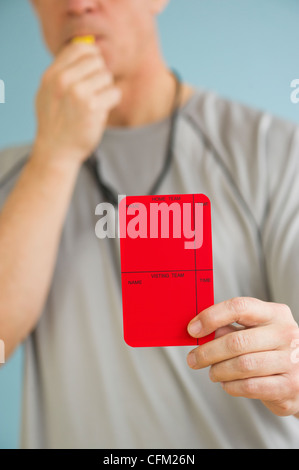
(166, 267)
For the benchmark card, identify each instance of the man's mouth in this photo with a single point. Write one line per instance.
(98, 37)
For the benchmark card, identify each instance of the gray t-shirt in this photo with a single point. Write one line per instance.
(84, 387)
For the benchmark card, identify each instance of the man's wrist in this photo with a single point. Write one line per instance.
(57, 160)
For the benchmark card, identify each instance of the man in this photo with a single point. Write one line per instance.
(60, 285)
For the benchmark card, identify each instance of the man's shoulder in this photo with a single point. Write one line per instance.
(254, 150)
(12, 160)
(223, 115)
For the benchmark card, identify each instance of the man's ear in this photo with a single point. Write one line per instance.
(157, 6)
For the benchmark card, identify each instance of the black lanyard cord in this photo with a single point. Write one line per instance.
(110, 194)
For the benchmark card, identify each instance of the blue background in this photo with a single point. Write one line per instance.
(244, 50)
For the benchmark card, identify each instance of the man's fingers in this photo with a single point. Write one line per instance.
(271, 389)
(67, 62)
(251, 365)
(81, 69)
(107, 99)
(246, 311)
(78, 72)
(264, 338)
(93, 84)
(72, 52)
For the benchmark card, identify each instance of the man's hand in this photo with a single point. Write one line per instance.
(75, 97)
(255, 359)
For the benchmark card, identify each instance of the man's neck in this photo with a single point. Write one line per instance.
(147, 98)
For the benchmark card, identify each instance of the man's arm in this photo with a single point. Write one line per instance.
(30, 228)
(73, 103)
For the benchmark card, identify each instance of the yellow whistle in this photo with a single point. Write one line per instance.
(87, 39)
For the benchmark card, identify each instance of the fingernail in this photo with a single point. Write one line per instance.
(191, 359)
(195, 328)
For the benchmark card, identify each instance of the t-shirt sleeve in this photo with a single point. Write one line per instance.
(12, 161)
(280, 229)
